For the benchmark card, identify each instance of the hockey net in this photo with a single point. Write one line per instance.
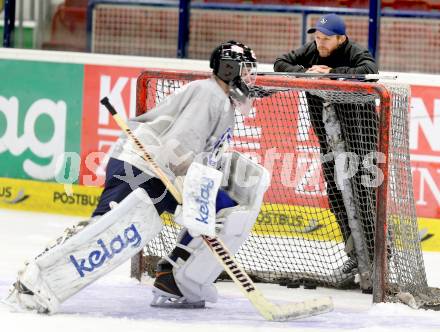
(313, 218)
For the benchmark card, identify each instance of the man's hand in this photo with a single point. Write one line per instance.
(320, 69)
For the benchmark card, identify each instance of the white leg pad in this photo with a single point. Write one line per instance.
(196, 275)
(57, 274)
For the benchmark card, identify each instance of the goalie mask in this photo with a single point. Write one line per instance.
(236, 65)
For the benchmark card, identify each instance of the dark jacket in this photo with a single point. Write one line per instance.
(349, 58)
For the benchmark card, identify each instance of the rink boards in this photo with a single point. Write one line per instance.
(274, 219)
(48, 197)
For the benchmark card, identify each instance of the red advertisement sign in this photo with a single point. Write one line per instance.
(425, 149)
(99, 131)
(280, 136)
(291, 154)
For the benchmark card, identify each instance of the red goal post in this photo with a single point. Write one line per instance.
(300, 235)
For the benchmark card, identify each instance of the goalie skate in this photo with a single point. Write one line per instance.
(163, 299)
(22, 299)
(30, 292)
(166, 294)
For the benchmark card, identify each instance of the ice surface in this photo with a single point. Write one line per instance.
(117, 303)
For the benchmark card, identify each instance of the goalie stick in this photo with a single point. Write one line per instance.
(358, 77)
(268, 310)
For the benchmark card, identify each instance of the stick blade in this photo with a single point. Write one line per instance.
(303, 309)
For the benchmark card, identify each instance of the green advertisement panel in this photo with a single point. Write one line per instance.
(27, 35)
(40, 117)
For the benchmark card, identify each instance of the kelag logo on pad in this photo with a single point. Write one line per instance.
(107, 251)
(203, 200)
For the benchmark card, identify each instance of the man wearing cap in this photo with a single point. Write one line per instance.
(330, 52)
(333, 52)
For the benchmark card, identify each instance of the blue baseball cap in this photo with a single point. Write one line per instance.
(330, 25)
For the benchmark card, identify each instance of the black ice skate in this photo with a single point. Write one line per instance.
(167, 294)
(350, 266)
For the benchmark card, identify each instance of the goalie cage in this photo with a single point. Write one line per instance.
(297, 237)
